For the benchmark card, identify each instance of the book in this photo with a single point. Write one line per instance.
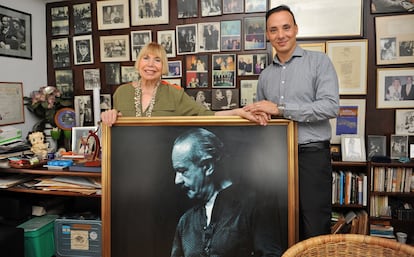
(82, 167)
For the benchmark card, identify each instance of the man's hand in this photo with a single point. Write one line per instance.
(264, 106)
(258, 117)
(109, 117)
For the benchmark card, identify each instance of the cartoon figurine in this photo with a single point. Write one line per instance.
(39, 146)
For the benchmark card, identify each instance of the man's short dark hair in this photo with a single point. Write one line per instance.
(279, 9)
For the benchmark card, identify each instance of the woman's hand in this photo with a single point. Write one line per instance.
(263, 106)
(109, 117)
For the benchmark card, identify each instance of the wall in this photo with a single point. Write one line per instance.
(32, 73)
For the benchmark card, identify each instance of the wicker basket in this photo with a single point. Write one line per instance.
(345, 245)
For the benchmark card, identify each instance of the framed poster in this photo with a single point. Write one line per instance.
(149, 12)
(271, 172)
(16, 31)
(394, 39)
(350, 120)
(112, 14)
(11, 103)
(404, 122)
(326, 18)
(114, 48)
(392, 88)
(350, 59)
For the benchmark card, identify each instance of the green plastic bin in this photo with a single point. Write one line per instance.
(39, 236)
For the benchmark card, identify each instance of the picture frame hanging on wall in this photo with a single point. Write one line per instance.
(83, 49)
(11, 103)
(60, 20)
(230, 38)
(18, 25)
(138, 40)
(404, 122)
(381, 6)
(391, 88)
(112, 14)
(82, 18)
(114, 48)
(166, 38)
(149, 13)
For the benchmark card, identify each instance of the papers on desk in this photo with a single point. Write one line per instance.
(83, 185)
(10, 180)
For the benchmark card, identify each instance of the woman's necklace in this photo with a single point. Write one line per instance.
(138, 102)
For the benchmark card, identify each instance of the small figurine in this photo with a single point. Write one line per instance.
(39, 145)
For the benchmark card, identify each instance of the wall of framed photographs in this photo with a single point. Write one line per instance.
(230, 31)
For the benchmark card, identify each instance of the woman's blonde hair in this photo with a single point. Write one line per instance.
(157, 50)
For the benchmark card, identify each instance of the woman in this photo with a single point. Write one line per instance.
(150, 96)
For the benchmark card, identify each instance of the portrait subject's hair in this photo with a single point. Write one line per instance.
(279, 9)
(157, 50)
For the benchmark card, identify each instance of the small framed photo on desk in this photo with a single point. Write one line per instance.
(353, 148)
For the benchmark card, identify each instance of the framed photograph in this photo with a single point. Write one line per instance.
(166, 38)
(60, 52)
(255, 6)
(65, 118)
(83, 110)
(202, 97)
(80, 142)
(186, 38)
(209, 37)
(404, 122)
(196, 70)
(317, 47)
(259, 158)
(393, 88)
(105, 102)
(82, 18)
(411, 151)
(174, 69)
(112, 14)
(11, 103)
(113, 73)
(251, 64)
(353, 148)
(376, 146)
(91, 79)
(230, 37)
(254, 33)
(350, 120)
(394, 42)
(399, 146)
(225, 99)
(114, 48)
(138, 40)
(173, 81)
(326, 18)
(129, 73)
(83, 49)
(224, 70)
(187, 8)
(383, 6)
(64, 82)
(211, 8)
(350, 59)
(248, 91)
(16, 27)
(233, 6)
(149, 12)
(60, 20)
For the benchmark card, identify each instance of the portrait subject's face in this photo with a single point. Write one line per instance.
(281, 32)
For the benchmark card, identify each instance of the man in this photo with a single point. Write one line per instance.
(229, 220)
(83, 51)
(303, 86)
(407, 90)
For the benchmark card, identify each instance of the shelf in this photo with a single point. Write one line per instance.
(348, 206)
(48, 192)
(44, 171)
(399, 194)
(393, 163)
(348, 164)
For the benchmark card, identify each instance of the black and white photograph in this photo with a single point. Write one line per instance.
(15, 33)
(388, 48)
(225, 99)
(60, 52)
(230, 38)
(83, 49)
(60, 20)
(91, 79)
(138, 40)
(114, 48)
(233, 6)
(113, 73)
(248, 91)
(251, 64)
(187, 8)
(399, 146)
(255, 6)
(174, 69)
(211, 8)
(256, 179)
(166, 38)
(149, 12)
(254, 33)
(202, 97)
(128, 73)
(376, 146)
(186, 38)
(404, 122)
(112, 14)
(392, 6)
(105, 102)
(64, 82)
(353, 148)
(82, 18)
(83, 110)
(209, 37)
(406, 48)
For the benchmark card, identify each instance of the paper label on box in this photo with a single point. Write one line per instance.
(79, 240)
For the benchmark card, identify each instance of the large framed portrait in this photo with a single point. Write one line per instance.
(114, 48)
(326, 18)
(350, 59)
(11, 103)
(149, 12)
(350, 120)
(394, 41)
(393, 90)
(16, 33)
(404, 122)
(112, 14)
(143, 198)
(83, 49)
(166, 38)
